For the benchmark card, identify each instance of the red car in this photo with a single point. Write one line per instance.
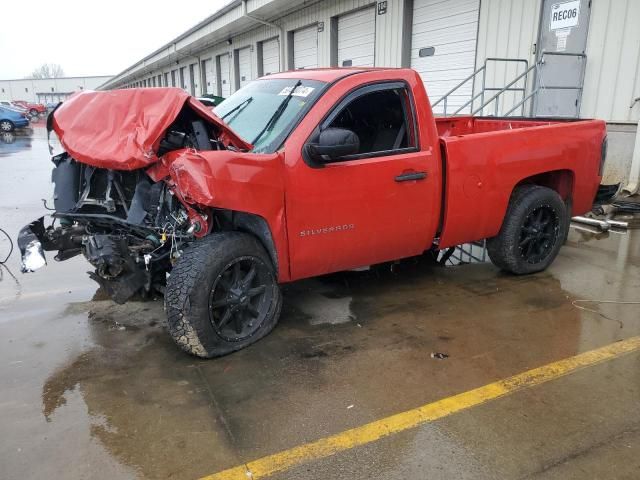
(324, 170)
(32, 108)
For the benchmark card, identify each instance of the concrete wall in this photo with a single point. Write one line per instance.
(54, 89)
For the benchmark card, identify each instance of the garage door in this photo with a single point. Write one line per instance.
(443, 47)
(270, 56)
(244, 67)
(224, 77)
(305, 47)
(209, 79)
(356, 38)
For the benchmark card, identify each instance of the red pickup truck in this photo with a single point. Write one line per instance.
(295, 175)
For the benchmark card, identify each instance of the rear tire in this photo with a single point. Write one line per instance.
(534, 228)
(222, 295)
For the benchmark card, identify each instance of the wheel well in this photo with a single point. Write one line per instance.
(559, 180)
(253, 224)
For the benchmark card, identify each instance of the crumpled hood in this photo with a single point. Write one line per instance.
(122, 129)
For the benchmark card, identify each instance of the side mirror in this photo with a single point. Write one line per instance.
(334, 143)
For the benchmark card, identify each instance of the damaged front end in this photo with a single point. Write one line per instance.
(128, 227)
(127, 221)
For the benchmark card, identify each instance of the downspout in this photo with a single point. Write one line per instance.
(633, 186)
(268, 24)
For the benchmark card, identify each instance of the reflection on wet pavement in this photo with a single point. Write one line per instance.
(92, 389)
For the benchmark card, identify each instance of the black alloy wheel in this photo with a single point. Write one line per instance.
(533, 230)
(240, 298)
(539, 234)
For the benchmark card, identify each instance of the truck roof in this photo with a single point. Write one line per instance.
(326, 74)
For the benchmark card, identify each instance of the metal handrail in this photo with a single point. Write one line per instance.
(535, 91)
(504, 89)
(446, 95)
(509, 86)
(483, 68)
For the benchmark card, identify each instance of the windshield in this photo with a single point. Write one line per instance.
(254, 107)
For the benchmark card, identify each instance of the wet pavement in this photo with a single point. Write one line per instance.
(90, 389)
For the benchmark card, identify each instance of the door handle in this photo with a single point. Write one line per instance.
(406, 177)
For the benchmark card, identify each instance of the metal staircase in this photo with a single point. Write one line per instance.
(492, 98)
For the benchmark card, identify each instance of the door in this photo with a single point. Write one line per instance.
(562, 41)
(443, 48)
(244, 67)
(224, 85)
(357, 38)
(208, 81)
(270, 56)
(182, 73)
(369, 207)
(305, 47)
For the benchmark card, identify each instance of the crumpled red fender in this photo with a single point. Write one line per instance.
(238, 181)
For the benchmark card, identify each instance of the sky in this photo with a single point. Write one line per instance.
(91, 37)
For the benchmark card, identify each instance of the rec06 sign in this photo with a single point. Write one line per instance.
(564, 15)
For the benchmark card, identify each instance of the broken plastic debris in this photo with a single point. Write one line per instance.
(33, 257)
(350, 406)
(439, 356)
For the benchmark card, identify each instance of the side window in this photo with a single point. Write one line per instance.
(381, 120)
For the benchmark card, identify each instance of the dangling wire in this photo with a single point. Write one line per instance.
(10, 247)
(4, 266)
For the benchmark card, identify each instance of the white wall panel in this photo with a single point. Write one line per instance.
(612, 76)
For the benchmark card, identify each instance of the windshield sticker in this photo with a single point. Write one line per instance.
(299, 92)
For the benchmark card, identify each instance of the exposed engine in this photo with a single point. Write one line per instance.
(130, 228)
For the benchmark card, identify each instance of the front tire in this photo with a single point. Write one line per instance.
(222, 295)
(534, 228)
(6, 126)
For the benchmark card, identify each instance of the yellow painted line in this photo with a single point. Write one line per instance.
(370, 432)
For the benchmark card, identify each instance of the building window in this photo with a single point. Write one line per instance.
(52, 89)
(26, 90)
(3, 90)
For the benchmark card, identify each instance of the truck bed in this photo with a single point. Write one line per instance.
(454, 126)
(486, 158)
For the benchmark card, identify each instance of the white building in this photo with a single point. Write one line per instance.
(45, 90)
(556, 57)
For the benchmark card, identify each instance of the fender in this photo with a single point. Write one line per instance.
(248, 184)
